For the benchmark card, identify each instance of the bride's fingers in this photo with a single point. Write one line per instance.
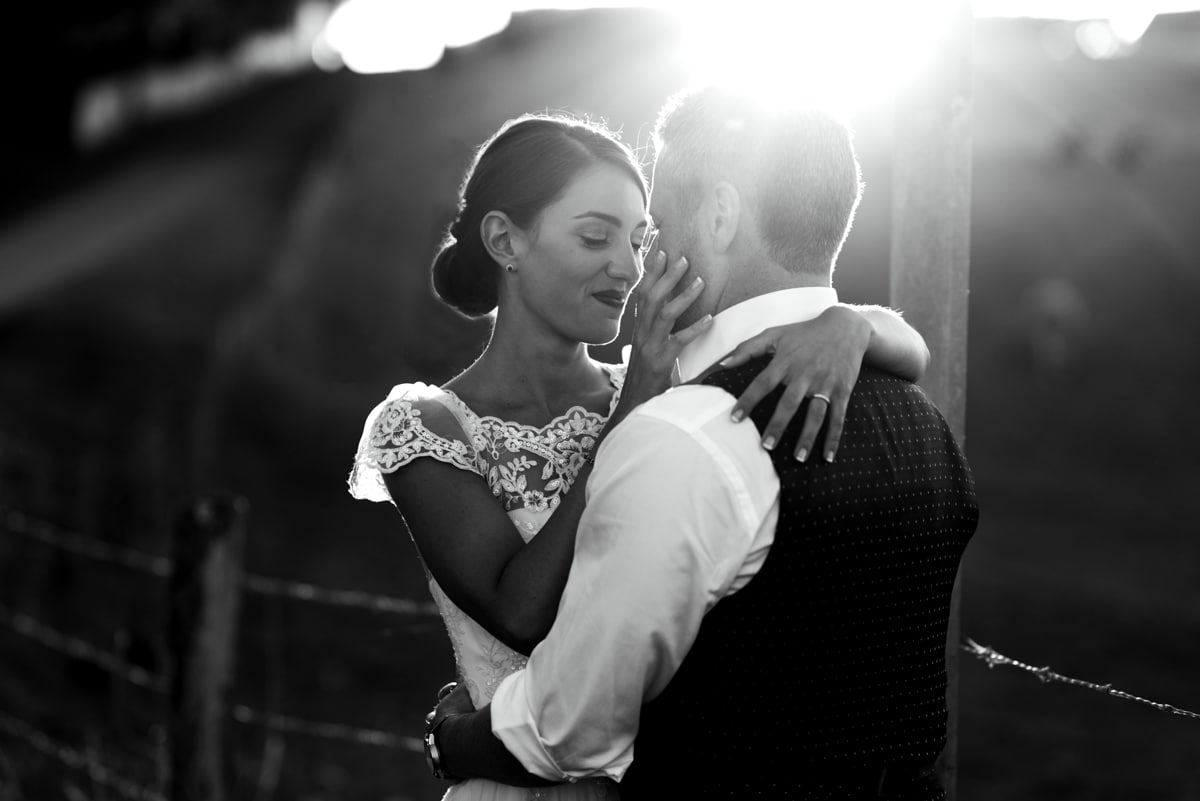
(836, 420)
(641, 292)
(685, 337)
(680, 303)
(763, 384)
(666, 304)
(758, 345)
(814, 418)
(785, 409)
(653, 274)
(654, 268)
(665, 285)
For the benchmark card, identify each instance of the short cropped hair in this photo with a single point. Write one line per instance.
(795, 165)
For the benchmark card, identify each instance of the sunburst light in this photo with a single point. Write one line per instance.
(842, 55)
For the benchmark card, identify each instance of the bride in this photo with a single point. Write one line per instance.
(550, 233)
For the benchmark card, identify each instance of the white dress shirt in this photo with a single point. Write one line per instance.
(681, 511)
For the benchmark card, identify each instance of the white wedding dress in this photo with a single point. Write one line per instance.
(528, 469)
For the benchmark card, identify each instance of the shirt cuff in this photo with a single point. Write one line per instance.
(513, 723)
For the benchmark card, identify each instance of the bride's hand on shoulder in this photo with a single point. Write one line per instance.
(817, 359)
(658, 302)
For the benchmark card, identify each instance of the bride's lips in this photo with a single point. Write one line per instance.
(611, 298)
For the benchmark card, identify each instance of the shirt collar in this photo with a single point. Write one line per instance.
(753, 316)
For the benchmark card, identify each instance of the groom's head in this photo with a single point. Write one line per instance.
(756, 197)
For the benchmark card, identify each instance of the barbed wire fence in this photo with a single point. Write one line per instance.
(993, 658)
(161, 568)
(275, 722)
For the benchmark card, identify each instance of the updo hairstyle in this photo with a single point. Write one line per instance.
(523, 168)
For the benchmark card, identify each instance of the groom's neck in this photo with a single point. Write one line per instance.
(763, 279)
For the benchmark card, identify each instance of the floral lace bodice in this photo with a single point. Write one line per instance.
(528, 468)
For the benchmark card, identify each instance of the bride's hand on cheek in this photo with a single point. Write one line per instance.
(658, 302)
(818, 359)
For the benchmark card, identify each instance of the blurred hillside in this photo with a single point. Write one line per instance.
(219, 300)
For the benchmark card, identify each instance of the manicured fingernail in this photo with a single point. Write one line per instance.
(662, 256)
(829, 456)
(706, 319)
(697, 281)
(769, 443)
(737, 416)
(725, 362)
(801, 454)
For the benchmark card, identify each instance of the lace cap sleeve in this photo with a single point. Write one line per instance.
(414, 420)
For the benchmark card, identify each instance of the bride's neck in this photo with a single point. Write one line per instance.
(527, 364)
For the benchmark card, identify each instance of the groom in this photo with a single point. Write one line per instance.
(763, 627)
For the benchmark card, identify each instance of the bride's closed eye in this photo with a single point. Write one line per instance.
(593, 241)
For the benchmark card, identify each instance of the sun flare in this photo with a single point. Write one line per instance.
(848, 54)
(844, 56)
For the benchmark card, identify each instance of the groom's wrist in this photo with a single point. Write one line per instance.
(469, 750)
(459, 740)
(435, 750)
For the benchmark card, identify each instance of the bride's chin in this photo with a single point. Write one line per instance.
(601, 336)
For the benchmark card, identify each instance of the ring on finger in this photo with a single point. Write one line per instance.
(819, 396)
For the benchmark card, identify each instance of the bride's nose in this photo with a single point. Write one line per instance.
(627, 266)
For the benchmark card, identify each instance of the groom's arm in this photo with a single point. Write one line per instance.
(468, 749)
(677, 503)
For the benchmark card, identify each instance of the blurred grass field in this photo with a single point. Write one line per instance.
(272, 266)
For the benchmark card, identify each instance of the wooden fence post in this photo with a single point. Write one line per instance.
(205, 594)
(931, 205)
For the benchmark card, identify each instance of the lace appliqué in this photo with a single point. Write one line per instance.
(482, 660)
(399, 436)
(561, 448)
(501, 661)
(532, 467)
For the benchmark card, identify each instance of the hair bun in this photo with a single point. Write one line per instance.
(465, 286)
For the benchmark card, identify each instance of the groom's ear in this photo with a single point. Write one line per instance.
(726, 215)
(502, 239)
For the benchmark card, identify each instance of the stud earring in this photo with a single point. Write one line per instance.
(510, 268)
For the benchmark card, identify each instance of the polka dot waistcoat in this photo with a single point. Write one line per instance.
(833, 655)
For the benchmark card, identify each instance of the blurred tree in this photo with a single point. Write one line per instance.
(52, 53)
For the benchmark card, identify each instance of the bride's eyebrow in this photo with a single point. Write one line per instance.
(608, 218)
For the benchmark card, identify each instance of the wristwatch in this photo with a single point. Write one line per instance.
(433, 757)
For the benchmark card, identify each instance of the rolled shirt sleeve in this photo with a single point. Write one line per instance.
(681, 511)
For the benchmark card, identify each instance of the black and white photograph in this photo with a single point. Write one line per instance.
(472, 401)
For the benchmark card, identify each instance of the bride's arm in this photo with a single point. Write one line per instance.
(473, 550)
(895, 346)
(466, 539)
(822, 357)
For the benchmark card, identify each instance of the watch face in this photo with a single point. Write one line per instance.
(429, 753)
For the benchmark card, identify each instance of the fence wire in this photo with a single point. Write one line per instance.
(78, 760)
(33, 629)
(993, 657)
(70, 646)
(160, 566)
(332, 731)
(89, 547)
(265, 585)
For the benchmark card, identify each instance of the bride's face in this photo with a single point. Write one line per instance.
(581, 259)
